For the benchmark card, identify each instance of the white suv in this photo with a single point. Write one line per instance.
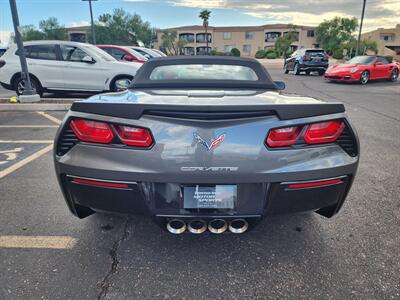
(65, 66)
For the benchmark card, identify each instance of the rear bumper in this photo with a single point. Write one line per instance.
(166, 199)
(313, 67)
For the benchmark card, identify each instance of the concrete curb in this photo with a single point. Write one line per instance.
(33, 106)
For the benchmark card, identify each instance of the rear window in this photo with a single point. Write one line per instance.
(203, 72)
(315, 52)
(46, 52)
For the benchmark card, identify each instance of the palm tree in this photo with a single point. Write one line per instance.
(205, 15)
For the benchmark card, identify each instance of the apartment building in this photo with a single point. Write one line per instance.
(388, 40)
(248, 39)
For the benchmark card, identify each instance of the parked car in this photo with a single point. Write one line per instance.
(159, 52)
(203, 143)
(65, 66)
(149, 53)
(307, 60)
(363, 69)
(122, 53)
(3, 50)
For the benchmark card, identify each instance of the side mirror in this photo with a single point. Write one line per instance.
(128, 58)
(87, 59)
(280, 85)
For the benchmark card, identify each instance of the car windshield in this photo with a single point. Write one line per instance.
(137, 54)
(361, 60)
(203, 72)
(100, 54)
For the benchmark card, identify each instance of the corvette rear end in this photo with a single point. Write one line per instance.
(201, 154)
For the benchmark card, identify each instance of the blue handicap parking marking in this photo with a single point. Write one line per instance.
(12, 153)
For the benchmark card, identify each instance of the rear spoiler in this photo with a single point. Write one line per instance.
(136, 110)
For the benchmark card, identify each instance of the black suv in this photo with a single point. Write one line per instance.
(307, 60)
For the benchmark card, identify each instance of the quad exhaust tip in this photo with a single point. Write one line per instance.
(217, 226)
(238, 226)
(197, 226)
(176, 226)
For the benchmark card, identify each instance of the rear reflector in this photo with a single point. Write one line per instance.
(92, 131)
(133, 136)
(283, 137)
(315, 184)
(324, 132)
(101, 183)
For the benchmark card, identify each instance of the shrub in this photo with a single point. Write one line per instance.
(235, 52)
(269, 50)
(260, 53)
(337, 54)
(271, 55)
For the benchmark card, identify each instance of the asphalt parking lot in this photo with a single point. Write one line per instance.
(46, 253)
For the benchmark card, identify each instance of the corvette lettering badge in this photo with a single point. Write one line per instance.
(214, 143)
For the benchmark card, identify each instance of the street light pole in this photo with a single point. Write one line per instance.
(91, 20)
(361, 24)
(28, 93)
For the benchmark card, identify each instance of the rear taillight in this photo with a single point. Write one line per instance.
(92, 131)
(283, 137)
(325, 132)
(316, 133)
(133, 136)
(104, 133)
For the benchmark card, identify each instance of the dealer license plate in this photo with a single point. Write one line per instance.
(209, 197)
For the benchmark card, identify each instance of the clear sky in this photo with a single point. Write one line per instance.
(169, 13)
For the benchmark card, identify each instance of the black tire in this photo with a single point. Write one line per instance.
(286, 71)
(114, 87)
(394, 75)
(321, 72)
(296, 69)
(364, 77)
(19, 86)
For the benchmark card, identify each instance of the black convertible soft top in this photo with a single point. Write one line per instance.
(142, 78)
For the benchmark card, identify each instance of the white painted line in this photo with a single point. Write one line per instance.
(25, 161)
(26, 141)
(28, 126)
(49, 117)
(37, 242)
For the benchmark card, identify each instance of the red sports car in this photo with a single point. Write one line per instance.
(363, 69)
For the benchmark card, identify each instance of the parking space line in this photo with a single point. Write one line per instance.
(49, 117)
(26, 141)
(25, 161)
(37, 242)
(28, 126)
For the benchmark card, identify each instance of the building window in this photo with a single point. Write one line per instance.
(187, 51)
(227, 35)
(188, 37)
(228, 48)
(296, 35)
(201, 37)
(310, 33)
(272, 36)
(248, 35)
(387, 37)
(247, 49)
(202, 50)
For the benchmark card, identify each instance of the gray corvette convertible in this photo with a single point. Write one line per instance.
(205, 143)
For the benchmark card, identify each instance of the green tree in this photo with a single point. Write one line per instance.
(205, 16)
(283, 43)
(122, 28)
(170, 42)
(30, 33)
(52, 29)
(332, 34)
